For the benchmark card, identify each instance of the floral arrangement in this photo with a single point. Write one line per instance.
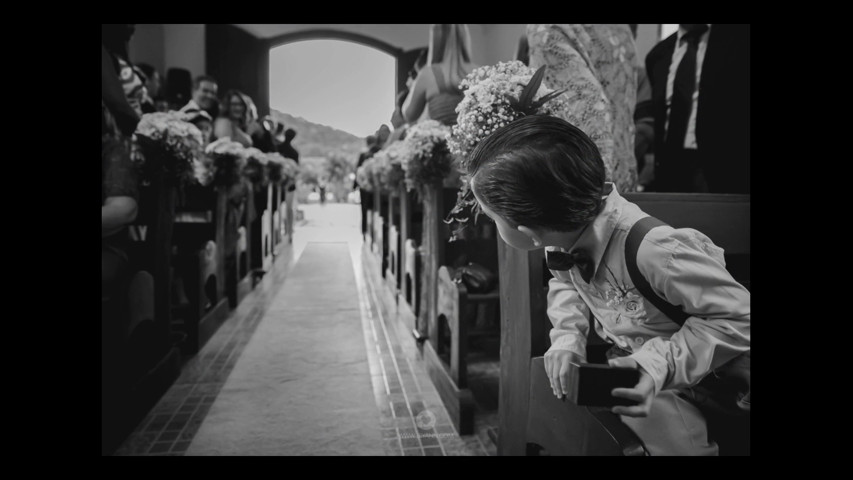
(388, 168)
(254, 167)
(291, 170)
(275, 167)
(494, 97)
(165, 140)
(426, 156)
(228, 160)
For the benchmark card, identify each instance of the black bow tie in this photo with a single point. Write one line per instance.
(565, 261)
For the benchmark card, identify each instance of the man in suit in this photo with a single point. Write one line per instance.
(700, 93)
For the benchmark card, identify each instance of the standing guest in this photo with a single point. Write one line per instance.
(435, 92)
(700, 92)
(112, 94)
(262, 135)
(154, 85)
(204, 96)
(366, 196)
(279, 135)
(286, 149)
(597, 66)
(115, 39)
(235, 118)
(382, 134)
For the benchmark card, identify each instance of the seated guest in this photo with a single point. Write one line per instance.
(204, 97)
(119, 194)
(202, 120)
(235, 118)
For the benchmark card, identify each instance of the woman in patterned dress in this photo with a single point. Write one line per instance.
(597, 66)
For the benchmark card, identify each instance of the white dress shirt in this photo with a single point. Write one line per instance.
(682, 266)
(677, 55)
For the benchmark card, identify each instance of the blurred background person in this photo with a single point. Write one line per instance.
(204, 96)
(235, 118)
(286, 149)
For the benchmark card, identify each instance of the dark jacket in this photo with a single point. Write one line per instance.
(722, 118)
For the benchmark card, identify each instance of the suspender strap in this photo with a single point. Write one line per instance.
(632, 246)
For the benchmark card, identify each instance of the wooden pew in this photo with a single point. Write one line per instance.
(413, 275)
(238, 274)
(200, 238)
(261, 259)
(411, 227)
(451, 306)
(291, 213)
(276, 223)
(139, 359)
(378, 246)
(531, 418)
(393, 257)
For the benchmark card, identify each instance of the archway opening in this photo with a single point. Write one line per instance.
(333, 93)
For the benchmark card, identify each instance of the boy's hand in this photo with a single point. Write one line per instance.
(559, 371)
(643, 392)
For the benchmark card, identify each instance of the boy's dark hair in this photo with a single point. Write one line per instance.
(539, 171)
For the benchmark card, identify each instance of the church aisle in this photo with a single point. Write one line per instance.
(302, 386)
(308, 364)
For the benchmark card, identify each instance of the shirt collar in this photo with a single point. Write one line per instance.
(597, 234)
(681, 32)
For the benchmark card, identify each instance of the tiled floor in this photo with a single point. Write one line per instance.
(412, 417)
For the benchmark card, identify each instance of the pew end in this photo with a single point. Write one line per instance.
(413, 274)
(561, 428)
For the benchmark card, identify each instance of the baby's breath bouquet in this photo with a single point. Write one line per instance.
(388, 169)
(426, 157)
(495, 96)
(228, 159)
(165, 140)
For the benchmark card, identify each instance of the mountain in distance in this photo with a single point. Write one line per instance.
(316, 140)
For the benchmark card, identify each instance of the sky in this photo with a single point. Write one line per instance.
(341, 84)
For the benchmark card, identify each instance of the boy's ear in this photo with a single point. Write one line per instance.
(537, 240)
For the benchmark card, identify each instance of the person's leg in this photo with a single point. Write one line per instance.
(674, 427)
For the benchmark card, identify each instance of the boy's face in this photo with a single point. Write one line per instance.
(519, 238)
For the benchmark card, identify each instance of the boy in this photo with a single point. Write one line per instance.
(542, 181)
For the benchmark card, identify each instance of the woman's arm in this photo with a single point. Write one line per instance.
(415, 103)
(116, 213)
